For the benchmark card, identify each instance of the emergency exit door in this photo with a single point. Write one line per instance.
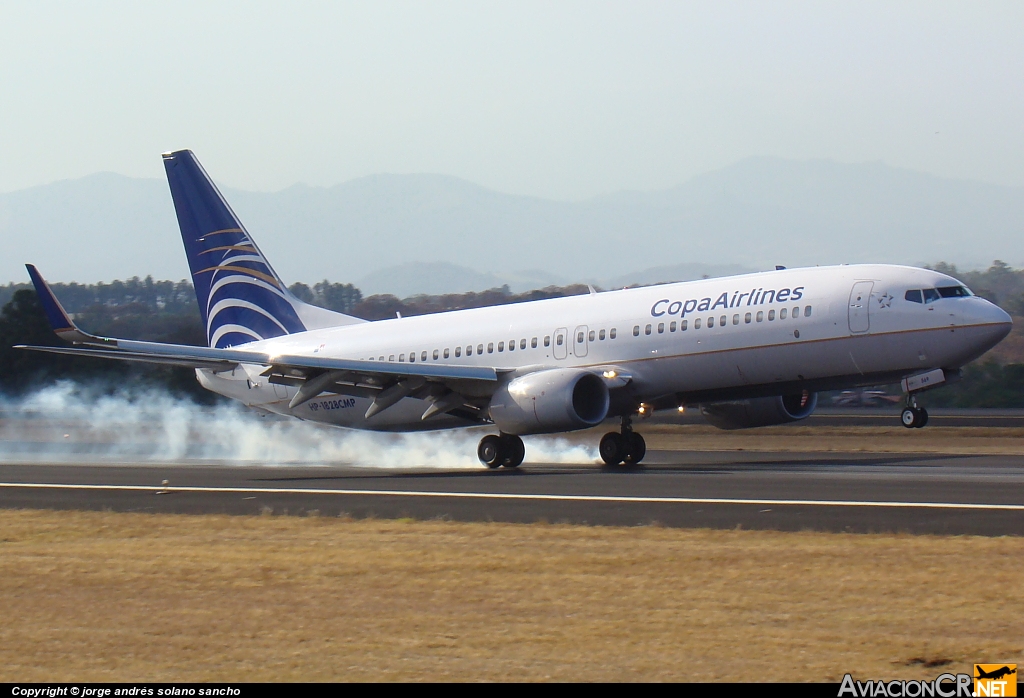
(860, 307)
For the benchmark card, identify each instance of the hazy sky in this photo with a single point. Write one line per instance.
(558, 99)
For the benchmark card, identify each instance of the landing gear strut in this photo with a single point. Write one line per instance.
(504, 450)
(625, 447)
(913, 417)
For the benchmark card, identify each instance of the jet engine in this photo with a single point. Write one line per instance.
(760, 412)
(560, 399)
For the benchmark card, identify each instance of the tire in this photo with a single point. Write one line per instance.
(922, 418)
(909, 418)
(637, 448)
(490, 451)
(514, 451)
(612, 448)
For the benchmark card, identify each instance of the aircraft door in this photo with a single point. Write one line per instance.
(579, 343)
(560, 347)
(860, 307)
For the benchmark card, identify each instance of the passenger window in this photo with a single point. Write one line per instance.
(636, 330)
(533, 343)
(558, 340)
(746, 318)
(600, 335)
(711, 322)
(647, 330)
(807, 311)
(771, 315)
(696, 324)
(682, 325)
(446, 353)
(672, 326)
(401, 357)
(436, 354)
(423, 356)
(469, 350)
(479, 348)
(736, 319)
(592, 335)
(391, 358)
(913, 296)
(760, 315)
(501, 347)
(721, 321)
(782, 314)
(458, 352)
(796, 311)
(522, 343)
(661, 328)
(611, 333)
(579, 338)
(547, 341)
(381, 358)
(930, 294)
(490, 347)
(512, 345)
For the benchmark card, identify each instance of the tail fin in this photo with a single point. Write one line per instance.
(241, 298)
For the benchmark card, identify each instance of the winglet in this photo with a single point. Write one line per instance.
(59, 320)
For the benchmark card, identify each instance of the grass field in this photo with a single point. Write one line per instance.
(103, 596)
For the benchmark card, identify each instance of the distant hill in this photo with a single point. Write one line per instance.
(387, 229)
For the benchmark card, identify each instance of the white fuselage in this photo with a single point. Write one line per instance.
(742, 336)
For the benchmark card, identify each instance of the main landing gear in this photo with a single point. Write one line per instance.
(913, 417)
(504, 450)
(625, 447)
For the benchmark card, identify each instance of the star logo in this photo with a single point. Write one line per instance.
(885, 300)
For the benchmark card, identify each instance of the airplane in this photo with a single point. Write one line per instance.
(750, 350)
(996, 674)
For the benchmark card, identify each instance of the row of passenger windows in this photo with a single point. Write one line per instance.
(436, 354)
(723, 320)
(598, 335)
(928, 295)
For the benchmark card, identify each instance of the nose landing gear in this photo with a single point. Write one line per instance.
(913, 417)
(504, 450)
(625, 447)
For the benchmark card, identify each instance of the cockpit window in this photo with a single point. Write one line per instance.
(953, 291)
(913, 296)
(930, 294)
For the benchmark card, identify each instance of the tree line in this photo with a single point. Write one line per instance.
(166, 311)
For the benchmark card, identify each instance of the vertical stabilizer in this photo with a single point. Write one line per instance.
(241, 298)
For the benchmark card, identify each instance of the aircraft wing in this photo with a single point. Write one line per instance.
(447, 387)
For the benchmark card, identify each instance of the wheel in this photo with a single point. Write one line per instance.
(612, 448)
(922, 418)
(489, 451)
(637, 448)
(513, 450)
(909, 418)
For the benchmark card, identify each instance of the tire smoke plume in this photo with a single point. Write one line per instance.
(74, 423)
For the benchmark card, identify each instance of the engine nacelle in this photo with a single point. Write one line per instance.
(760, 412)
(560, 399)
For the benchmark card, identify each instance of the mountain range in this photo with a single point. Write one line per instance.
(427, 233)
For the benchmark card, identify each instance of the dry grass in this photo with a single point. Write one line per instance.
(103, 596)
(868, 439)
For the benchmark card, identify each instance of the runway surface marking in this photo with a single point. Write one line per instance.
(533, 497)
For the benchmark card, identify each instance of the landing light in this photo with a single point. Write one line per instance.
(610, 374)
(682, 408)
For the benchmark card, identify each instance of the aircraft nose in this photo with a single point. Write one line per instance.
(987, 313)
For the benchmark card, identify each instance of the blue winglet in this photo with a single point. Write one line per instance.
(58, 318)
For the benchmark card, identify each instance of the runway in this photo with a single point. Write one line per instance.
(979, 495)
